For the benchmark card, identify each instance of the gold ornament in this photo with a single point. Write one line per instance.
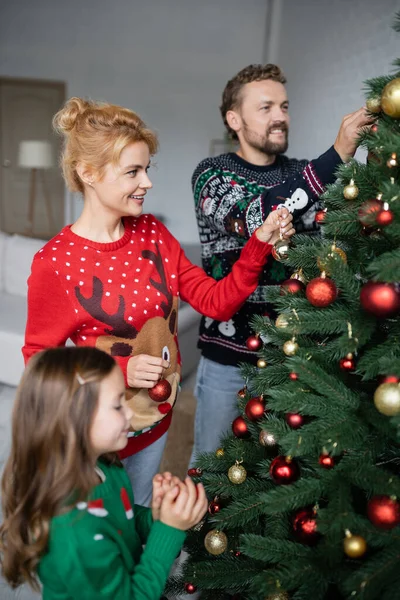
(290, 347)
(374, 104)
(219, 453)
(266, 438)
(278, 596)
(392, 162)
(335, 253)
(300, 276)
(280, 250)
(354, 545)
(387, 399)
(261, 363)
(216, 542)
(237, 474)
(390, 100)
(350, 191)
(281, 322)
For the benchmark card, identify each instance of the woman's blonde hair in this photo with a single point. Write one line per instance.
(50, 466)
(95, 134)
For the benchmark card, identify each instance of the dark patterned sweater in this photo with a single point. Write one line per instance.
(232, 198)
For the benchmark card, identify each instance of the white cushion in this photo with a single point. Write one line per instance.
(18, 255)
(12, 331)
(3, 237)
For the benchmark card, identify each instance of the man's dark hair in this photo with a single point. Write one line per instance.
(231, 97)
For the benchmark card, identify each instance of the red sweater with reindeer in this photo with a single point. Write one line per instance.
(122, 297)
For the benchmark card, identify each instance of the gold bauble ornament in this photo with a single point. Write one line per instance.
(278, 596)
(387, 399)
(392, 162)
(281, 322)
(266, 438)
(237, 474)
(220, 452)
(390, 100)
(374, 104)
(350, 191)
(280, 250)
(354, 545)
(300, 276)
(290, 347)
(216, 542)
(335, 253)
(261, 363)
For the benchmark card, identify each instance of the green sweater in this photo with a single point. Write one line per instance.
(95, 549)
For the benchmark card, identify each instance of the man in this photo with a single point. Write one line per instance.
(233, 194)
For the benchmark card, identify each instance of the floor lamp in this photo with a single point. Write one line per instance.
(37, 156)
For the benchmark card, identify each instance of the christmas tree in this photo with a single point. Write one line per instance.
(305, 493)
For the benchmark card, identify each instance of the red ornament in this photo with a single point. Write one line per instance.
(255, 409)
(374, 128)
(347, 364)
(194, 472)
(326, 461)
(238, 553)
(321, 292)
(294, 420)
(320, 216)
(284, 470)
(293, 376)
(254, 343)
(214, 507)
(385, 217)
(380, 299)
(305, 526)
(368, 212)
(164, 408)
(190, 588)
(389, 379)
(239, 428)
(291, 286)
(384, 512)
(161, 391)
(242, 393)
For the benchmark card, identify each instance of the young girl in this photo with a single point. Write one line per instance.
(69, 513)
(113, 279)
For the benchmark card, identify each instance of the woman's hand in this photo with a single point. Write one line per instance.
(277, 224)
(143, 370)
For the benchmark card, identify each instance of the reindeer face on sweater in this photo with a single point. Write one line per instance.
(156, 337)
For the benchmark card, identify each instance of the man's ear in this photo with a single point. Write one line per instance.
(234, 120)
(85, 174)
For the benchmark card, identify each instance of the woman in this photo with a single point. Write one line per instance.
(113, 278)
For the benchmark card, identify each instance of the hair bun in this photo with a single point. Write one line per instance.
(65, 120)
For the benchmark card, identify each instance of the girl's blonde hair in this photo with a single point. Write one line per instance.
(95, 134)
(50, 467)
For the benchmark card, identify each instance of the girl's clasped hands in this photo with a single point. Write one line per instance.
(179, 504)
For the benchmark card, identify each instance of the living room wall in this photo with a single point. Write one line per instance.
(169, 60)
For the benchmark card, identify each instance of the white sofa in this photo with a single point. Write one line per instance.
(16, 253)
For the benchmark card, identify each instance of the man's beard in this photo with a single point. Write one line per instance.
(263, 143)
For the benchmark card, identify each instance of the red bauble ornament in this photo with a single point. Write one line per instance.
(255, 409)
(385, 217)
(239, 428)
(194, 472)
(380, 299)
(242, 393)
(374, 128)
(293, 376)
(384, 512)
(254, 343)
(291, 286)
(164, 408)
(284, 470)
(294, 420)
(238, 553)
(347, 364)
(161, 391)
(321, 292)
(214, 507)
(368, 212)
(320, 216)
(305, 526)
(389, 379)
(190, 588)
(327, 461)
